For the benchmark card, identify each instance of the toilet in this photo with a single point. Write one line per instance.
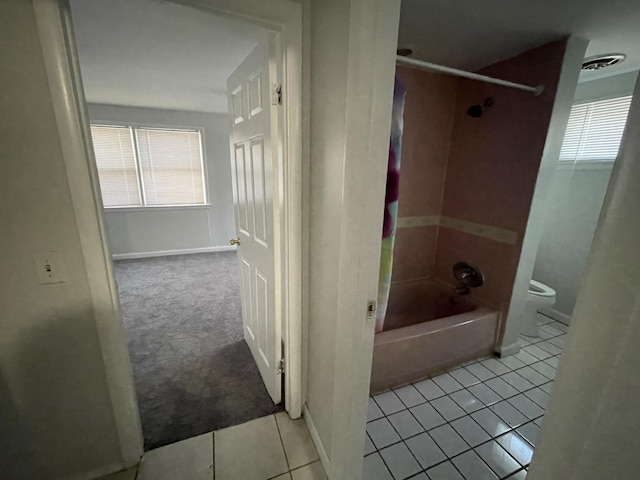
(538, 296)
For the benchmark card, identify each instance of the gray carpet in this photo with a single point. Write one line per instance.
(193, 371)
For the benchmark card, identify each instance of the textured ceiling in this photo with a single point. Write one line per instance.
(471, 34)
(150, 53)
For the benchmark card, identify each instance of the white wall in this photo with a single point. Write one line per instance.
(591, 430)
(157, 229)
(576, 199)
(56, 413)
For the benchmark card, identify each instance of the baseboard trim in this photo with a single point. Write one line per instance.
(165, 253)
(556, 315)
(506, 350)
(317, 441)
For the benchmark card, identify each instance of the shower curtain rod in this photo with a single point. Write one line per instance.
(473, 76)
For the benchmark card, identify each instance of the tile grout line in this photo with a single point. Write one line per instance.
(467, 414)
(284, 450)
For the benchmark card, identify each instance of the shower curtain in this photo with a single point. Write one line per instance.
(390, 203)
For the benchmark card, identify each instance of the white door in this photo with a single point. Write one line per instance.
(254, 164)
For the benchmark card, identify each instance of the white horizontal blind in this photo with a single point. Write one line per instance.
(595, 129)
(171, 165)
(116, 161)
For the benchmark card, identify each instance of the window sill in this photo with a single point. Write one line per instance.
(585, 165)
(158, 208)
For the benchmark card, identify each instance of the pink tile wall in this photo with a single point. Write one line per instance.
(414, 253)
(493, 166)
(428, 122)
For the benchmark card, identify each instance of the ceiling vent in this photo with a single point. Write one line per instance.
(603, 61)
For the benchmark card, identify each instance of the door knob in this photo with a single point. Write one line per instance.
(235, 241)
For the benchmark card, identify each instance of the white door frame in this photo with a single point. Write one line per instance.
(55, 28)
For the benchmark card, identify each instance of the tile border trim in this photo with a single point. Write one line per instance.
(500, 235)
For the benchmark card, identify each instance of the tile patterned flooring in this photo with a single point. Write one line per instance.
(272, 447)
(479, 421)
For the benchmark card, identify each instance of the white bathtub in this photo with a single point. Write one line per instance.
(424, 333)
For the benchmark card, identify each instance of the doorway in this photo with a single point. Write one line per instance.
(157, 105)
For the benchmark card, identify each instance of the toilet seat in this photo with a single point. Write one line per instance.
(540, 289)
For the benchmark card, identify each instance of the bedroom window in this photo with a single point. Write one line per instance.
(148, 166)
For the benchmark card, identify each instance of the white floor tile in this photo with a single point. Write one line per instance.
(537, 352)
(501, 387)
(467, 401)
(425, 450)
(484, 394)
(382, 433)
(410, 396)
(492, 424)
(480, 371)
(495, 366)
(405, 424)
(420, 476)
(529, 431)
(448, 408)
(129, 474)
(512, 362)
(517, 447)
(284, 476)
(447, 383)
(189, 459)
(427, 416)
(560, 326)
(521, 475)
(251, 451)
(373, 412)
(553, 361)
(472, 467)
(559, 342)
(527, 406)
(545, 369)
(444, 471)
(552, 329)
(532, 376)
(497, 458)
(539, 396)
(543, 319)
(538, 421)
(313, 471)
(518, 382)
(448, 440)
(470, 431)
(375, 469)
(547, 387)
(400, 461)
(298, 445)
(369, 447)
(464, 377)
(509, 414)
(526, 358)
(549, 347)
(428, 389)
(389, 402)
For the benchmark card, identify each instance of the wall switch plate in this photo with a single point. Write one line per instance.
(50, 268)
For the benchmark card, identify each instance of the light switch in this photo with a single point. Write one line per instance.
(50, 268)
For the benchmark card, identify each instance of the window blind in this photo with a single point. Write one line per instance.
(116, 161)
(595, 129)
(171, 165)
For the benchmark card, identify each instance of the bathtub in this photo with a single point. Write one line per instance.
(424, 333)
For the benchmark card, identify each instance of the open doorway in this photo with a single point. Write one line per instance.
(155, 78)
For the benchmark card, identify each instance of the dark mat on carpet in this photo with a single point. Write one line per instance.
(193, 371)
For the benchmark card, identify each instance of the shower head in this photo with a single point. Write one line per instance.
(476, 111)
